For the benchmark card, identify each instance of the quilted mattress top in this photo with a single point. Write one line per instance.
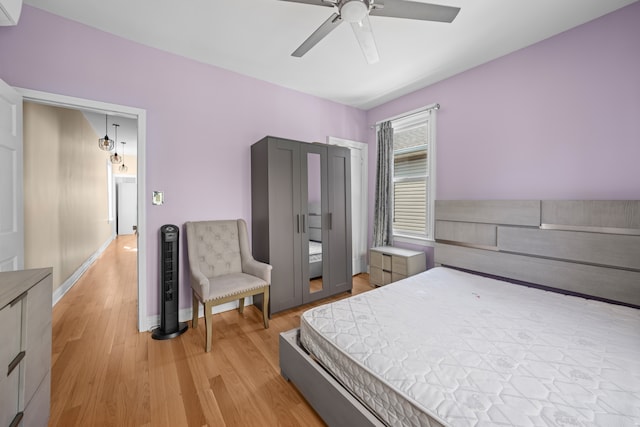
(447, 347)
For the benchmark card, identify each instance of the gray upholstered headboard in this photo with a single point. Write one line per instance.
(588, 247)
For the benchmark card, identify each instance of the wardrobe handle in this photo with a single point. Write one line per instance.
(304, 223)
(298, 222)
(330, 221)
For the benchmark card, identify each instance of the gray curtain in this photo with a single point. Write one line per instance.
(382, 227)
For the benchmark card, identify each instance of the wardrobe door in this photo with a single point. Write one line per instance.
(285, 224)
(315, 268)
(275, 211)
(339, 219)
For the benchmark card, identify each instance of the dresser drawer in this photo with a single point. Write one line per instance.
(25, 347)
(37, 411)
(11, 333)
(9, 392)
(38, 338)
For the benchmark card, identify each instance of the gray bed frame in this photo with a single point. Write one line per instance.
(589, 248)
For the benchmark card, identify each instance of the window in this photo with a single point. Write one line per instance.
(413, 171)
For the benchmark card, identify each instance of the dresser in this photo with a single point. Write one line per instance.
(388, 264)
(25, 353)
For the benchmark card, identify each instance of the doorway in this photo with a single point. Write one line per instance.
(121, 111)
(126, 205)
(359, 201)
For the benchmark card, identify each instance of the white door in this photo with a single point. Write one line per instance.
(11, 190)
(127, 207)
(359, 198)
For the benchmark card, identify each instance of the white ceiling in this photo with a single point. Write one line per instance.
(256, 38)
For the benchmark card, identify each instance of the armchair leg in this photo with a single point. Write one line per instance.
(194, 310)
(265, 307)
(241, 305)
(208, 324)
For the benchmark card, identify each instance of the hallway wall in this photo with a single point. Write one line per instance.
(65, 190)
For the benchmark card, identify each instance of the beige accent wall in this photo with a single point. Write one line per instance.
(65, 190)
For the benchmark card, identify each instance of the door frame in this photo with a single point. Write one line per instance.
(140, 115)
(364, 197)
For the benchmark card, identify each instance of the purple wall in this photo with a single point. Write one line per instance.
(201, 120)
(557, 120)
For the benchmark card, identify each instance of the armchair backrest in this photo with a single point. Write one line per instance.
(215, 247)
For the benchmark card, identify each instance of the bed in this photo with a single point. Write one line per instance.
(450, 348)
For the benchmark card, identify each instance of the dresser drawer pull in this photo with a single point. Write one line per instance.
(17, 419)
(18, 299)
(15, 362)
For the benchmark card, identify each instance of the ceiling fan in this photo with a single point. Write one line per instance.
(357, 13)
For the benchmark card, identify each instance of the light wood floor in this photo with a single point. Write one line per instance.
(105, 373)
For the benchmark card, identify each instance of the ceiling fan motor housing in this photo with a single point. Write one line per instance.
(354, 10)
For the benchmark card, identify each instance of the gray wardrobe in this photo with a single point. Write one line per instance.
(301, 219)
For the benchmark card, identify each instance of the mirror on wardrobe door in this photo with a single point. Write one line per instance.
(314, 226)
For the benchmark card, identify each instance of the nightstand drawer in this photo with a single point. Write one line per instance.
(380, 260)
(379, 277)
(397, 276)
(386, 262)
(375, 259)
(399, 265)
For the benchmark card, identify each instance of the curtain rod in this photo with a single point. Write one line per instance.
(408, 114)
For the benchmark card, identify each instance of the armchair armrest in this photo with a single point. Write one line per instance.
(258, 269)
(199, 282)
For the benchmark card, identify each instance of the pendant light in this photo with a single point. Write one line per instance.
(115, 158)
(106, 143)
(123, 167)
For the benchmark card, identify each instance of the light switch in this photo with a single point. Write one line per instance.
(158, 198)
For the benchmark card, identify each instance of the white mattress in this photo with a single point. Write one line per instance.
(447, 347)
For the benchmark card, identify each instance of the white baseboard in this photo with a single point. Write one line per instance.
(68, 284)
(185, 314)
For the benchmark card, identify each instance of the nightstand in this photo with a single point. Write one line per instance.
(388, 264)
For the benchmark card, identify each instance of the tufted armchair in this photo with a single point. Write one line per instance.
(223, 269)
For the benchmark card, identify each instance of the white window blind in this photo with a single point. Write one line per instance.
(412, 189)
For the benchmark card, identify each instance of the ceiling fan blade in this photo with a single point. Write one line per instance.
(414, 10)
(313, 2)
(322, 31)
(363, 33)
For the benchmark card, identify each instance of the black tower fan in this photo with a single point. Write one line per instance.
(169, 325)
